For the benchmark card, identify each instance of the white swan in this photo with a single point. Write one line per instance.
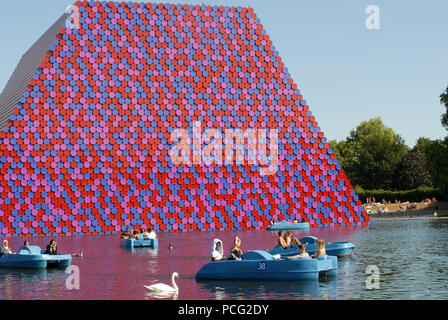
(161, 287)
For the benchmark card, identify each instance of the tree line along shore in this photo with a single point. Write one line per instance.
(380, 165)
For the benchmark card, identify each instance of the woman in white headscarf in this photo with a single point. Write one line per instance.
(217, 250)
(5, 247)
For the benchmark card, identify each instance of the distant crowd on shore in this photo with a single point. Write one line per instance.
(384, 206)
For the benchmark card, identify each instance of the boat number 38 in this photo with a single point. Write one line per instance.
(261, 266)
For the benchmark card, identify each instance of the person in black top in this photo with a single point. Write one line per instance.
(52, 247)
(126, 234)
(235, 250)
(135, 234)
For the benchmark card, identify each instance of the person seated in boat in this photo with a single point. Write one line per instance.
(135, 234)
(5, 247)
(235, 250)
(302, 253)
(217, 251)
(152, 234)
(281, 240)
(149, 234)
(320, 248)
(290, 241)
(52, 247)
(126, 234)
(26, 243)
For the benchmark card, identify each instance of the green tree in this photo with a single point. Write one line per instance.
(411, 172)
(370, 154)
(345, 153)
(421, 145)
(444, 101)
(437, 164)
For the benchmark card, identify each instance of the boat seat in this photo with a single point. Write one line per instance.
(29, 250)
(257, 255)
(278, 248)
(308, 239)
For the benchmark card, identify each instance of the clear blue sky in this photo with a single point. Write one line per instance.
(346, 72)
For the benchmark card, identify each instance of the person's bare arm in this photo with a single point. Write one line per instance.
(282, 243)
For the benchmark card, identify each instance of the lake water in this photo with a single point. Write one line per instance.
(412, 257)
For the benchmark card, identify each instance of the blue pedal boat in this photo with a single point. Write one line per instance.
(337, 248)
(260, 265)
(32, 257)
(285, 225)
(57, 260)
(140, 243)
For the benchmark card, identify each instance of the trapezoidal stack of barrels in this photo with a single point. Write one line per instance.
(89, 147)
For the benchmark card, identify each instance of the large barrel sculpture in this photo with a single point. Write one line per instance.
(176, 117)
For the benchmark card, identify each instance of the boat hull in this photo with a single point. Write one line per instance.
(260, 265)
(289, 226)
(17, 261)
(31, 257)
(134, 243)
(58, 260)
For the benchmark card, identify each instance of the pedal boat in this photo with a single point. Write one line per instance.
(140, 243)
(261, 265)
(285, 225)
(337, 248)
(32, 257)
